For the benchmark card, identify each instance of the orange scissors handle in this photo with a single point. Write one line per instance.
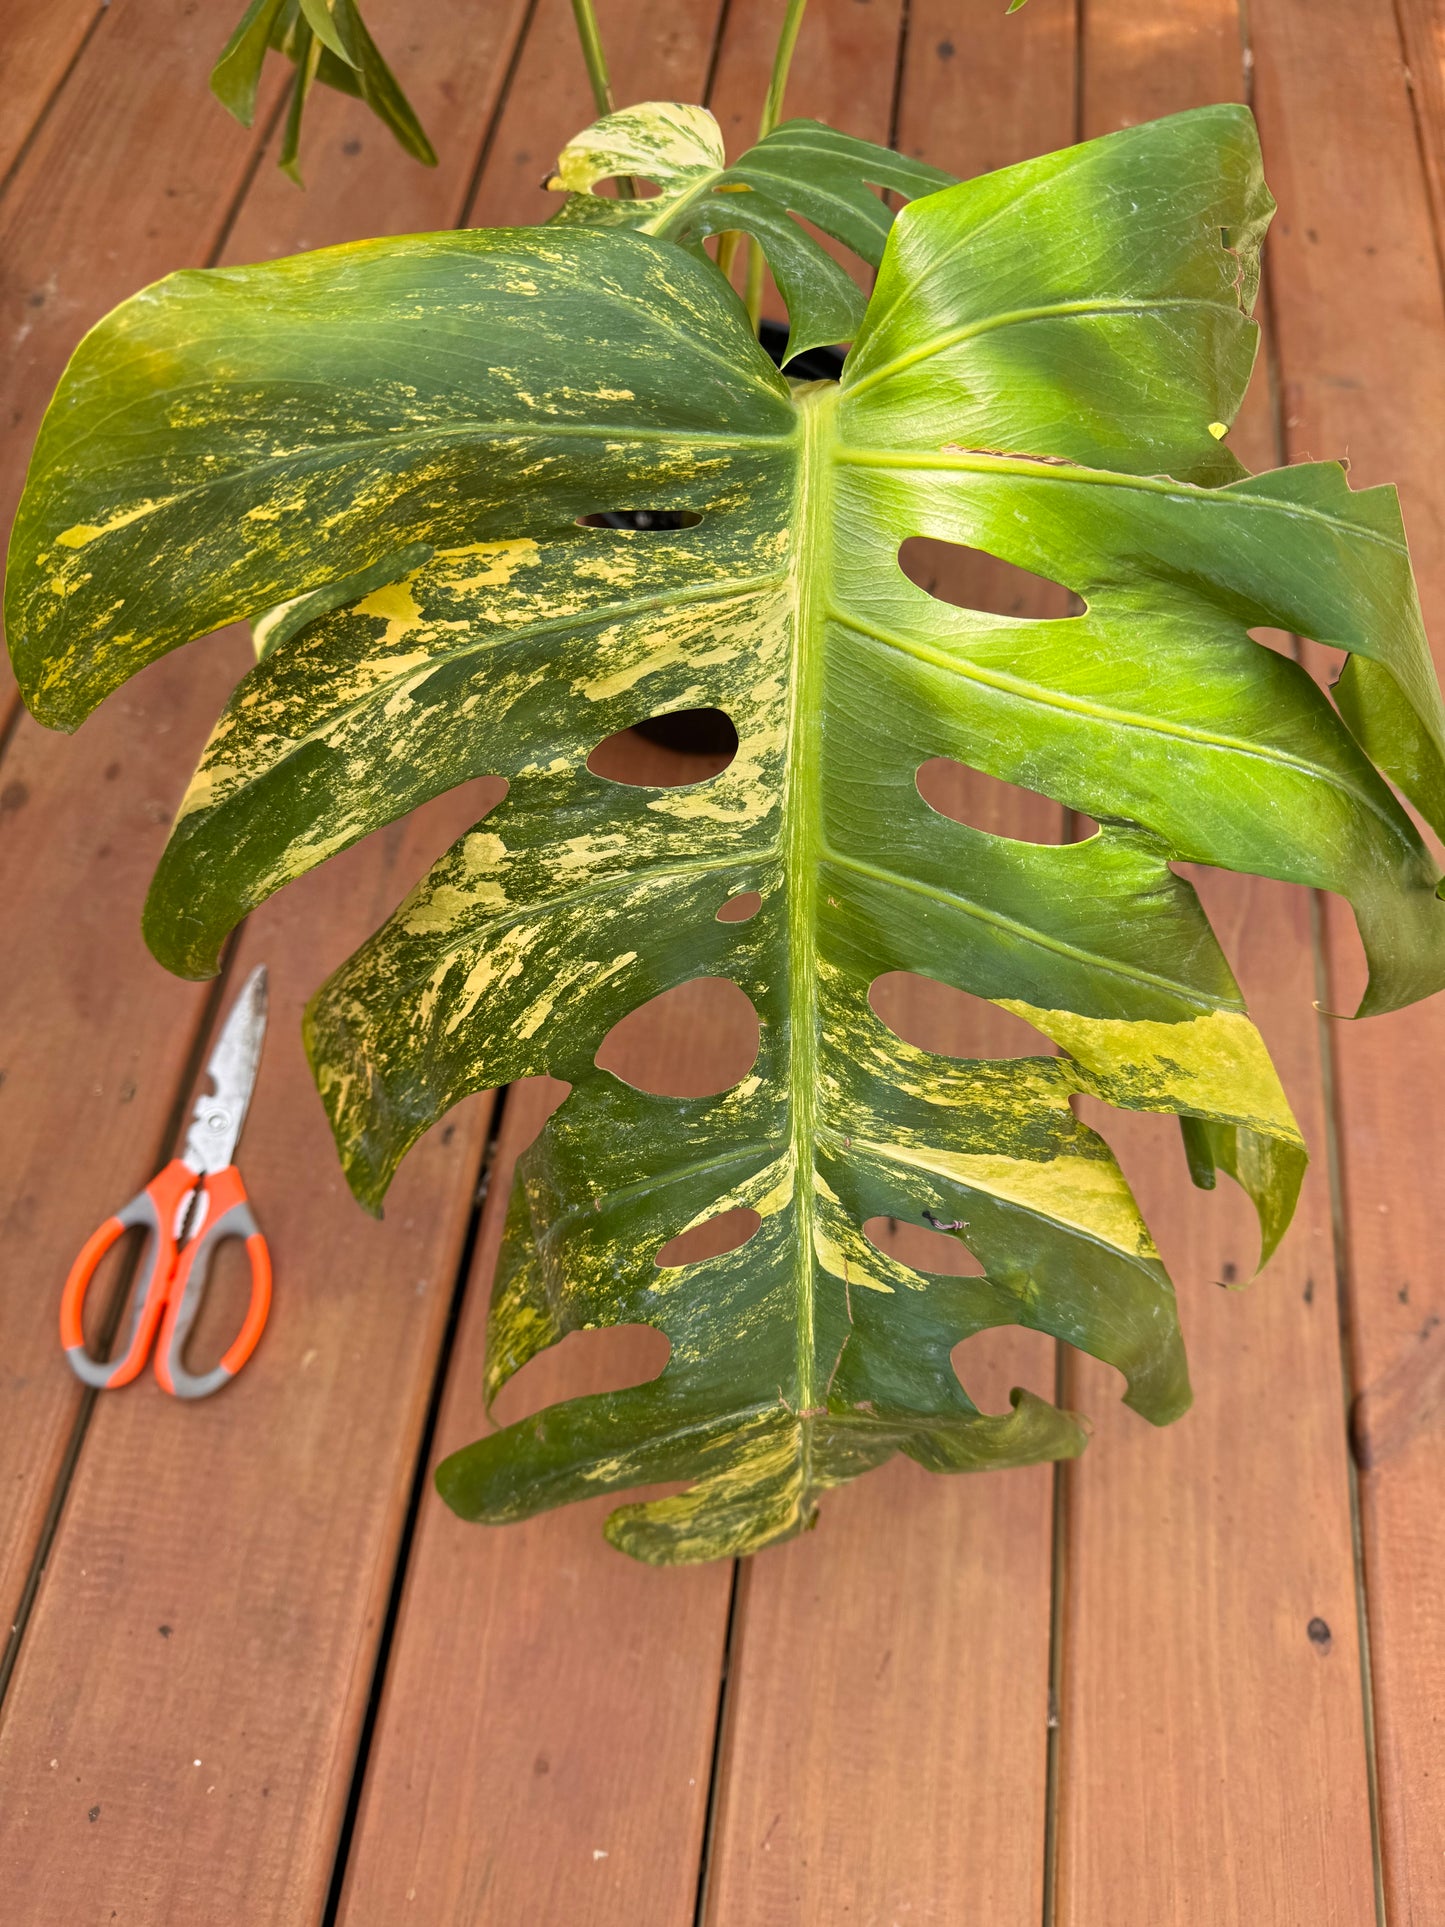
(171, 1282)
(156, 1209)
(227, 1214)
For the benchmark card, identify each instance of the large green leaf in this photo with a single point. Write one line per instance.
(1047, 366)
(800, 168)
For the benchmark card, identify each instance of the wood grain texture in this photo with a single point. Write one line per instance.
(84, 1008)
(1422, 36)
(96, 1037)
(40, 38)
(1212, 1699)
(200, 1654)
(261, 1528)
(887, 1713)
(545, 1735)
(1357, 300)
(133, 172)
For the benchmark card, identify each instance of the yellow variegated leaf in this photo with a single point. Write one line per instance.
(397, 455)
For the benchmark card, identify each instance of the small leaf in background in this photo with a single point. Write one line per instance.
(801, 168)
(326, 41)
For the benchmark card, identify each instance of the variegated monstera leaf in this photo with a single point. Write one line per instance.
(801, 166)
(403, 441)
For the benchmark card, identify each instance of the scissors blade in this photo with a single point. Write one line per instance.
(217, 1119)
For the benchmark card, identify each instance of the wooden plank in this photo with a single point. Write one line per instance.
(576, 1711)
(96, 1035)
(179, 1730)
(543, 1744)
(1359, 312)
(1212, 1755)
(42, 38)
(115, 191)
(1422, 35)
(213, 1556)
(887, 1712)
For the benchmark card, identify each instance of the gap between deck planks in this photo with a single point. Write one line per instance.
(1192, 1798)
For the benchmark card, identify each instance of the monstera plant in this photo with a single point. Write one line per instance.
(397, 458)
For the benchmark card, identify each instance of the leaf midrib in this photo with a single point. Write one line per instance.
(802, 838)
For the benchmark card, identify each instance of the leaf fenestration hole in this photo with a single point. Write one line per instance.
(668, 752)
(936, 1017)
(922, 1248)
(739, 909)
(714, 1238)
(998, 807)
(645, 521)
(990, 1363)
(611, 186)
(609, 1358)
(695, 1040)
(973, 579)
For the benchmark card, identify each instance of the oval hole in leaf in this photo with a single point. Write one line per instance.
(714, 1238)
(937, 1017)
(925, 1250)
(668, 752)
(973, 579)
(739, 909)
(611, 186)
(654, 521)
(584, 1363)
(990, 1363)
(695, 1040)
(988, 803)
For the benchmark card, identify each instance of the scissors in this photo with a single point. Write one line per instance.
(189, 1208)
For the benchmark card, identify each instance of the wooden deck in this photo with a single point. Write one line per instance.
(259, 1674)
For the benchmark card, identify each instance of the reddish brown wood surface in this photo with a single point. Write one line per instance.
(1356, 291)
(544, 1741)
(1198, 1712)
(542, 1689)
(354, 1337)
(40, 40)
(96, 1037)
(117, 188)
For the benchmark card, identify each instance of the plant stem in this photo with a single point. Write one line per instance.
(782, 61)
(591, 39)
(753, 295)
(772, 114)
(590, 36)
